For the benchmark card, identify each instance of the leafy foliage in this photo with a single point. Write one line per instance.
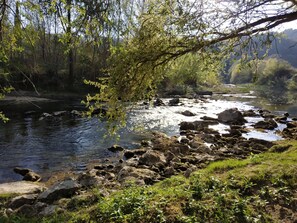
(271, 72)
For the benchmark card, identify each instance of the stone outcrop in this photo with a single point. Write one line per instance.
(19, 201)
(21, 187)
(132, 173)
(174, 102)
(59, 190)
(28, 174)
(188, 113)
(231, 116)
(115, 148)
(267, 123)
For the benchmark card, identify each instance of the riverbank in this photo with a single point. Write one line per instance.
(162, 161)
(261, 188)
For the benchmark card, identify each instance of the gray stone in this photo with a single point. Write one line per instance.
(128, 172)
(19, 201)
(152, 157)
(49, 210)
(88, 180)
(27, 210)
(174, 102)
(28, 174)
(59, 113)
(21, 187)
(31, 176)
(116, 148)
(268, 123)
(159, 102)
(196, 125)
(131, 153)
(21, 171)
(59, 190)
(231, 116)
(188, 113)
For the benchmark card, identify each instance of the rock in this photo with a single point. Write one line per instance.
(64, 189)
(188, 113)
(204, 93)
(88, 180)
(19, 201)
(206, 118)
(28, 174)
(232, 133)
(265, 143)
(131, 153)
(169, 171)
(21, 187)
(128, 173)
(189, 171)
(159, 102)
(132, 162)
(268, 123)
(115, 148)
(249, 113)
(196, 125)
(286, 114)
(174, 102)
(21, 171)
(281, 119)
(291, 124)
(266, 114)
(75, 113)
(105, 174)
(59, 113)
(49, 210)
(45, 115)
(152, 157)
(31, 176)
(184, 140)
(179, 149)
(146, 143)
(231, 116)
(27, 210)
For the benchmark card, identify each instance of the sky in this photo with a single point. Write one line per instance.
(288, 25)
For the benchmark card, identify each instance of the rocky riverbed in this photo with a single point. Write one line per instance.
(154, 160)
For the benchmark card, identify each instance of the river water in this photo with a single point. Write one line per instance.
(70, 143)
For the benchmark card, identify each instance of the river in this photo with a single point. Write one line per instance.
(70, 143)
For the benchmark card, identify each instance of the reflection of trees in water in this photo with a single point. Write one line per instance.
(278, 96)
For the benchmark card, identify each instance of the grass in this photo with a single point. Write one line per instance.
(260, 188)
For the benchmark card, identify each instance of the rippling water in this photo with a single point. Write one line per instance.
(63, 143)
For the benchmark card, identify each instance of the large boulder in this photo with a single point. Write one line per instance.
(28, 174)
(130, 173)
(89, 180)
(21, 187)
(115, 148)
(152, 157)
(59, 190)
(159, 102)
(174, 102)
(135, 152)
(19, 201)
(268, 123)
(187, 113)
(196, 125)
(231, 116)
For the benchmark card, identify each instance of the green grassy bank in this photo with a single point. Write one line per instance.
(262, 188)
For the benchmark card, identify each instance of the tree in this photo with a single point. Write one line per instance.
(168, 29)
